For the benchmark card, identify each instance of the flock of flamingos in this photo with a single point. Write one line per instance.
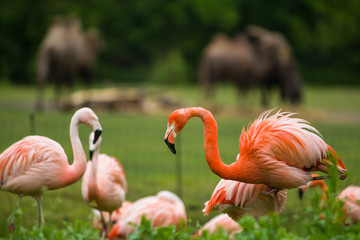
(276, 152)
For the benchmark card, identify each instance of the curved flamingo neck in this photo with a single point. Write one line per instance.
(75, 171)
(93, 188)
(212, 154)
(321, 184)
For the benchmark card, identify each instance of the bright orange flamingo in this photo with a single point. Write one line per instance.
(277, 151)
(163, 210)
(350, 196)
(238, 198)
(221, 221)
(104, 183)
(36, 164)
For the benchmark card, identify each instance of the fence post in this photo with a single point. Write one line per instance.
(178, 167)
(32, 123)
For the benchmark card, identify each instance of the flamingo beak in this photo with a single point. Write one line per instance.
(170, 139)
(97, 134)
(301, 191)
(342, 169)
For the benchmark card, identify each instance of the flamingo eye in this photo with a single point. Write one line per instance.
(172, 128)
(172, 125)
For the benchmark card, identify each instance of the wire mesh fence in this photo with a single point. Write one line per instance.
(137, 141)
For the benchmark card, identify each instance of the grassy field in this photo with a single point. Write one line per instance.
(136, 139)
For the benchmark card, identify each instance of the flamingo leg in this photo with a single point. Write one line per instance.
(38, 199)
(275, 191)
(110, 223)
(12, 225)
(104, 228)
(276, 201)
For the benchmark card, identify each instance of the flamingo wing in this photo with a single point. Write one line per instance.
(239, 198)
(282, 138)
(229, 192)
(112, 179)
(112, 168)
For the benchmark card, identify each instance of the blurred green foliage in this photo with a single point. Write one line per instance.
(170, 69)
(324, 34)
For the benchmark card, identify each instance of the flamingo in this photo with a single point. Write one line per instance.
(104, 183)
(164, 209)
(36, 163)
(350, 196)
(220, 221)
(277, 151)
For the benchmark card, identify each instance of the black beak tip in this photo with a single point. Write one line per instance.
(171, 146)
(91, 154)
(97, 134)
(301, 193)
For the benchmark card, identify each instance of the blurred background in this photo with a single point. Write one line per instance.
(137, 37)
(134, 62)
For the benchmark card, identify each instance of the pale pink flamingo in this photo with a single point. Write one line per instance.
(277, 151)
(36, 164)
(163, 210)
(350, 196)
(104, 183)
(220, 221)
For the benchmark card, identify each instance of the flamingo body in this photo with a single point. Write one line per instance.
(31, 158)
(221, 221)
(278, 151)
(107, 191)
(238, 198)
(351, 197)
(36, 163)
(164, 209)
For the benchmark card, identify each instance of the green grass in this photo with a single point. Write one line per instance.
(137, 141)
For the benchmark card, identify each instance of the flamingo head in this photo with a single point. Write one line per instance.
(333, 158)
(88, 117)
(176, 122)
(313, 183)
(302, 190)
(94, 142)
